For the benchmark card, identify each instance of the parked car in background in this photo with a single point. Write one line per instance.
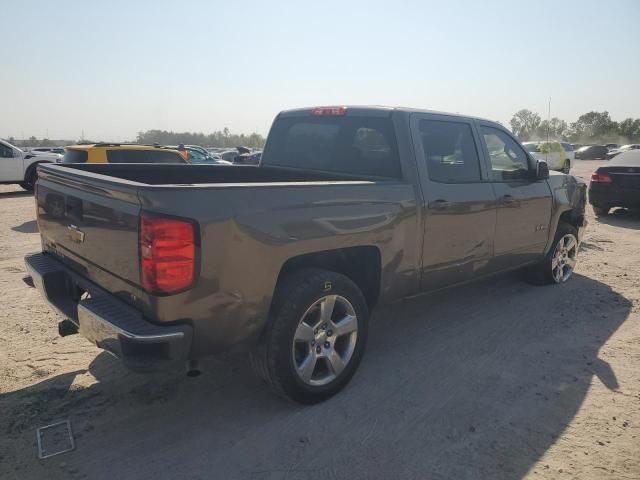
(591, 152)
(551, 152)
(40, 150)
(616, 184)
(197, 154)
(17, 166)
(624, 148)
(229, 155)
(242, 156)
(569, 151)
(251, 158)
(350, 208)
(121, 153)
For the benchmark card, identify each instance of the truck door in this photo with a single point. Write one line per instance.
(524, 203)
(10, 164)
(459, 208)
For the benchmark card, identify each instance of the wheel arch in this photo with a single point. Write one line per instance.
(32, 166)
(361, 264)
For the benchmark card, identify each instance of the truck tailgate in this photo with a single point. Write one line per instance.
(90, 222)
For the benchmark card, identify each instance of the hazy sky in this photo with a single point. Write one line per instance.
(115, 68)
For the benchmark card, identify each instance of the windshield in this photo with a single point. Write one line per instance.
(530, 147)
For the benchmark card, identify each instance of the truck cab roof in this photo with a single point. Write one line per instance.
(370, 110)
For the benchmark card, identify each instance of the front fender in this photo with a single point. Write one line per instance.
(569, 196)
(32, 163)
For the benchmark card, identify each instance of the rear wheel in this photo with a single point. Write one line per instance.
(567, 166)
(557, 266)
(600, 211)
(315, 338)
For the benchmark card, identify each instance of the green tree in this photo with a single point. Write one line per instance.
(557, 129)
(524, 124)
(629, 129)
(222, 138)
(594, 126)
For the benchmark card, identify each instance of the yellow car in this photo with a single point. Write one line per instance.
(122, 153)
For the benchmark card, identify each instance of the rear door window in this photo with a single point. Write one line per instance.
(143, 156)
(450, 151)
(353, 145)
(75, 156)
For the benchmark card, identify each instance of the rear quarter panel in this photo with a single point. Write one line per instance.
(248, 232)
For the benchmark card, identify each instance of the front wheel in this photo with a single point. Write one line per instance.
(558, 264)
(315, 337)
(30, 180)
(567, 166)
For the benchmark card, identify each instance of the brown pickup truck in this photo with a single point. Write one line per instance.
(350, 207)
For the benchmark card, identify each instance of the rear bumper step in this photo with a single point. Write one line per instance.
(107, 321)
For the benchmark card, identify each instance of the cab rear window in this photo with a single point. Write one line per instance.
(353, 145)
(75, 156)
(142, 156)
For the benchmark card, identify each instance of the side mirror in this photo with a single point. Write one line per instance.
(542, 170)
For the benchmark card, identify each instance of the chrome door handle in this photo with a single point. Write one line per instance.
(509, 201)
(441, 204)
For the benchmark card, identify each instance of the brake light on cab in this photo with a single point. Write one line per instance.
(600, 177)
(167, 254)
(328, 111)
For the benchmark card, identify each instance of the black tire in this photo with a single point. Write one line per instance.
(567, 167)
(29, 180)
(600, 211)
(541, 273)
(273, 358)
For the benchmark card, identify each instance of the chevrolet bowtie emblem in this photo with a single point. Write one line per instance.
(75, 234)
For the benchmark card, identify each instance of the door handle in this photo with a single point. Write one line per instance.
(509, 201)
(441, 204)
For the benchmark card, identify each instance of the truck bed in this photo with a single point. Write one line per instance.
(179, 174)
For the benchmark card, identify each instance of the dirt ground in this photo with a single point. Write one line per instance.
(493, 380)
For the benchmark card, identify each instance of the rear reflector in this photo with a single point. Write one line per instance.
(599, 177)
(327, 111)
(167, 254)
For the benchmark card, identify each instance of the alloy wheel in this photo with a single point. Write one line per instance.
(324, 340)
(564, 258)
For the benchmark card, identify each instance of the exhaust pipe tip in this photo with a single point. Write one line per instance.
(193, 369)
(67, 327)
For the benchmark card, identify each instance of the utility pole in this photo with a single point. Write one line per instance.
(548, 119)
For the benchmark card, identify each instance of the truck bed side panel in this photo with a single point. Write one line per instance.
(248, 233)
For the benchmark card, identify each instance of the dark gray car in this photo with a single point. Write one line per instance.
(350, 208)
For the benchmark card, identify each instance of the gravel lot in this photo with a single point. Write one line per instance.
(493, 380)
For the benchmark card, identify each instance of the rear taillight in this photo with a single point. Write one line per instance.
(599, 177)
(167, 254)
(328, 111)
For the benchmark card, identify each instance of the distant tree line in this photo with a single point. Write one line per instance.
(222, 138)
(592, 127)
(35, 142)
